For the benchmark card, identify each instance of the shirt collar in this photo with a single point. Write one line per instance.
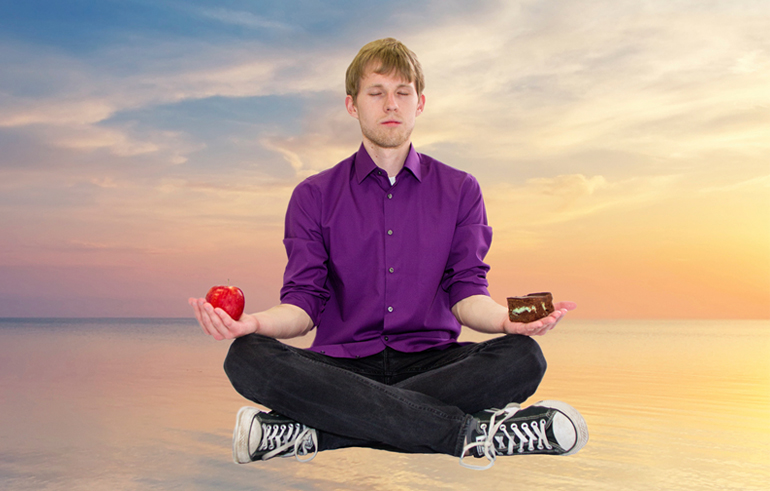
(364, 165)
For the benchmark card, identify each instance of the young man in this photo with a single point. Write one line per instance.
(385, 259)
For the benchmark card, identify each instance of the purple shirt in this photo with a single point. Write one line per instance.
(376, 265)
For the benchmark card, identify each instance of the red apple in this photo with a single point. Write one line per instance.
(228, 298)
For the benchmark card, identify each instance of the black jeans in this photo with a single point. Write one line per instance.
(406, 402)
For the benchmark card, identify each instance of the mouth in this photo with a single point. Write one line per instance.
(391, 123)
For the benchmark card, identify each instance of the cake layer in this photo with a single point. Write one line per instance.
(531, 307)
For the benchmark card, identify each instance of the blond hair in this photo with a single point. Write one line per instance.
(392, 56)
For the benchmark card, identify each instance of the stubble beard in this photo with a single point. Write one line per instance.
(387, 139)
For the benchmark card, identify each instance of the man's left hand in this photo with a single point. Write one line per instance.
(540, 326)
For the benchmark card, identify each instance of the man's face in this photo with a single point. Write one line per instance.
(386, 108)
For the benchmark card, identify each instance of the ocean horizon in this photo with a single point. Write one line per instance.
(143, 403)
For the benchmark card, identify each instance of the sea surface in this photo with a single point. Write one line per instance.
(143, 404)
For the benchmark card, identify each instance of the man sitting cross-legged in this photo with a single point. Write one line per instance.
(385, 259)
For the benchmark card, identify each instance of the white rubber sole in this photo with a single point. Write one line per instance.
(243, 426)
(581, 428)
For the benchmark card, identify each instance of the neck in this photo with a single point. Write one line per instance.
(390, 160)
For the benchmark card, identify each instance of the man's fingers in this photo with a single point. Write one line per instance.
(551, 321)
(196, 310)
(202, 316)
(565, 305)
(220, 331)
(539, 327)
(205, 319)
(208, 320)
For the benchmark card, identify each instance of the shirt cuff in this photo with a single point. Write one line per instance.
(461, 291)
(310, 304)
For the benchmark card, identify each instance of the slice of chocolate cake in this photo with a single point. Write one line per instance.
(530, 308)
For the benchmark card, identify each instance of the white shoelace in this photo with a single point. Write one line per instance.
(279, 438)
(530, 434)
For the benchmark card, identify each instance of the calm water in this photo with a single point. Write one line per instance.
(143, 404)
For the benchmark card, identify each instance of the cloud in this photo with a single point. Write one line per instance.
(203, 75)
(541, 203)
(87, 137)
(87, 247)
(244, 19)
(751, 62)
(57, 111)
(291, 157)
(569, 188)
(105, 182)
(321, 146)
(760, 183)
(82, 142)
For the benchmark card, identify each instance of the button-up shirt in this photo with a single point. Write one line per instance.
(376, 264)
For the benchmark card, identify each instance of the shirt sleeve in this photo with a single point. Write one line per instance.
(304, 281)
(466, 271)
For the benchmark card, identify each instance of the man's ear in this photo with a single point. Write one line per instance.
(421, 104)
(350, 105)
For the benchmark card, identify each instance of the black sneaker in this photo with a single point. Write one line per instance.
(260, 436)
(548, 427)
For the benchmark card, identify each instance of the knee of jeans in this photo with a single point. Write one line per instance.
(538, 363)
(234, 363)
(533, 359)
(242, 360)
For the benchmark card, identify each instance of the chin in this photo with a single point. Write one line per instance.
(388, 141)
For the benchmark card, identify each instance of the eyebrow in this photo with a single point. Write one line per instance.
(380, 86)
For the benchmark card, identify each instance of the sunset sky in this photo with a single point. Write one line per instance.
(148, 148)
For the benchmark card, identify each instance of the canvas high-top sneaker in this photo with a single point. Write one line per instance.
(261, 436)
(548, 427)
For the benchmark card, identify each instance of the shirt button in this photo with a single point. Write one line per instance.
(390, 196)
(385, 338)
(390, 232)
(391, 270)
(390, 309)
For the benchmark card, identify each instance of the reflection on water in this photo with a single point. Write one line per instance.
(105, 404)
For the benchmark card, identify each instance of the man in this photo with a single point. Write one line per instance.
(385, 258)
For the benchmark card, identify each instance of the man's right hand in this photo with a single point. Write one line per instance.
(217, 323)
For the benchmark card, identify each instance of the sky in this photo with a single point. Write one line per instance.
(148, 149)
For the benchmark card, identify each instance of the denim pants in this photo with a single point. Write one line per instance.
(406, 402)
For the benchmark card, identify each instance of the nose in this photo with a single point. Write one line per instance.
(390, 102)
